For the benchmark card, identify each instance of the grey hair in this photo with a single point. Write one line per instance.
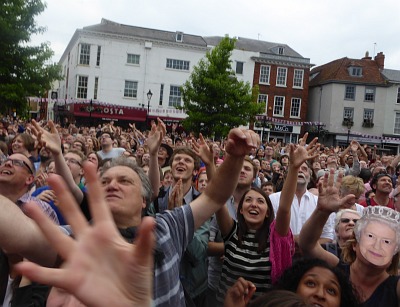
(339, 216)
(124, 161)
(383, 215)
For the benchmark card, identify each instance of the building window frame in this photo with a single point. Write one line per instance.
(84, 54)
(398, 95)
(96, 87)
(369, 95)
(133, 59)
(350, 92)
(265, 71)
(177, 64)
(130, 89)
(82, 87)
(281, 76)
(98, 56)
(175, 96)
(295, 107)
(239, 68)
(298, 78)
(263, 98)
(396, 127)
(279, 106)
(355, 71)
(348, 113)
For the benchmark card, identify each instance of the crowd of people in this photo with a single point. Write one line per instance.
(108, 216)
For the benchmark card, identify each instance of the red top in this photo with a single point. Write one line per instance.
(374, 203)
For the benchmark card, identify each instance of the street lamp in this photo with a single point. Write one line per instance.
(349, 124)
(149, 95)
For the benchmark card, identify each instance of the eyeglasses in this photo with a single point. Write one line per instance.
(346, 221)
(17, 162)
(73, 161)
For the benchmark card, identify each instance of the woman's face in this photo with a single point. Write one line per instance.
(18, 145)
(93, 158)
(254, 209)
(320, 287)
(377, 243)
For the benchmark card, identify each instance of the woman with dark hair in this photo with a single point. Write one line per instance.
(259, 247)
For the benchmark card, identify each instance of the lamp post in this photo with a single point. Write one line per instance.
(149, 95)
(349, 124)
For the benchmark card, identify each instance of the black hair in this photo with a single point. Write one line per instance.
(365, 174)
(376, 177)
(290, 279)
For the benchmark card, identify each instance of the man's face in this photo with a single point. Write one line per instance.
(268, 151)
(182, 167)
(346, 225)
(16, 174)
(106, 140)
(70, 139)
(377, 243)
(74, 163)
(246, 176)
(268, 189)
(331, 159)
(384, 185)
(123, 193)
(303, 177)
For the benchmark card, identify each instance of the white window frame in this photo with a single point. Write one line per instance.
(295, 107)
(281, 76)
(130, 89)
(177, 64)
(96, 87)
(175, 96)
(369, 91)
(398, 95)
(355, 71)
(368, 114)
(82, 87)
(348, 113)
(98, 56)
(348, 92)
(239, 71)
(279, 106)
(396, 126)
(298, 78)
(264, 75)
(263, 98)
(84, 54)
(133, 59)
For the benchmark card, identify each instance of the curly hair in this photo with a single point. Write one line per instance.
(290, 279)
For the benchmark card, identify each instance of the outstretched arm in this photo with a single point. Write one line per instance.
(98, 251)
(205, 153)
(328, 202)
(298, 156)
(221, 187)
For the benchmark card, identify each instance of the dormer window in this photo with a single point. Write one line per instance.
(281, 50)
(179, 37)
(355, 71)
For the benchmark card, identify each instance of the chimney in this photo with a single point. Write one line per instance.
(380, 60)
(367, 57)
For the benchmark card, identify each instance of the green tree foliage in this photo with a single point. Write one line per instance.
(214, 100)
(24, 69)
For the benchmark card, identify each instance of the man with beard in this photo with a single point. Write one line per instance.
(382, 186)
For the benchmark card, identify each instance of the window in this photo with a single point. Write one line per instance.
(397, 123)
(84, 57)
(295, 107)
(98, 55)
(133, 59)
(368, 115)
(298, 78)
(177, 64)
(369, 94)
(281, 76)
(96, 87)
(355, 71)
(348, 114)
(264, 74)
(263, 98)
(279, 104)
(130, 90)
(179, 37)
(281, 50)
(174, 96)
(350, 92)
(82, 87)
(239, 68)
(398, 95)
(161, 95)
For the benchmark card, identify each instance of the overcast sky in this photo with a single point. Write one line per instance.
(321, 30)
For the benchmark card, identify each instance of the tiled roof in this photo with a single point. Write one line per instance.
(391, 75)
(254, 45)
(107, 26)
(337, 72)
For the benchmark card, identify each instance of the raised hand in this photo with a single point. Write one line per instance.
(204, 151)
(100, 268)
(240, 293)
(156, 136)
(328, 197)
(49, 139)
(298, 155)
(240, 142)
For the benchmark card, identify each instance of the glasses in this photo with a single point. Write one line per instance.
(346, 221)
(105, 136)
(17, 162)
(73, 161)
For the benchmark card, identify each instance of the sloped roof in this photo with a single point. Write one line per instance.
(254, 45)
(337, 72)
(391, 75)
(108, 26)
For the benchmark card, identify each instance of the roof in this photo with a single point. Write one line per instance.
(391, 75)
(111, 27)
(337, 72)
(254, 45)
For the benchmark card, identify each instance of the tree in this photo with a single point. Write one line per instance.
(24, 69)
(214, 100)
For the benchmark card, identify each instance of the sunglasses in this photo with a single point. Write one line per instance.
(17, 162)
(346, 221)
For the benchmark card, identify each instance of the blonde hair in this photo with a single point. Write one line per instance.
(353, 184)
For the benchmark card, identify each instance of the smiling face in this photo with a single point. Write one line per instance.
(377, 243)
(320, 287)
(18, 145)
(383, 185)
(182, 167)
(254, 209)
